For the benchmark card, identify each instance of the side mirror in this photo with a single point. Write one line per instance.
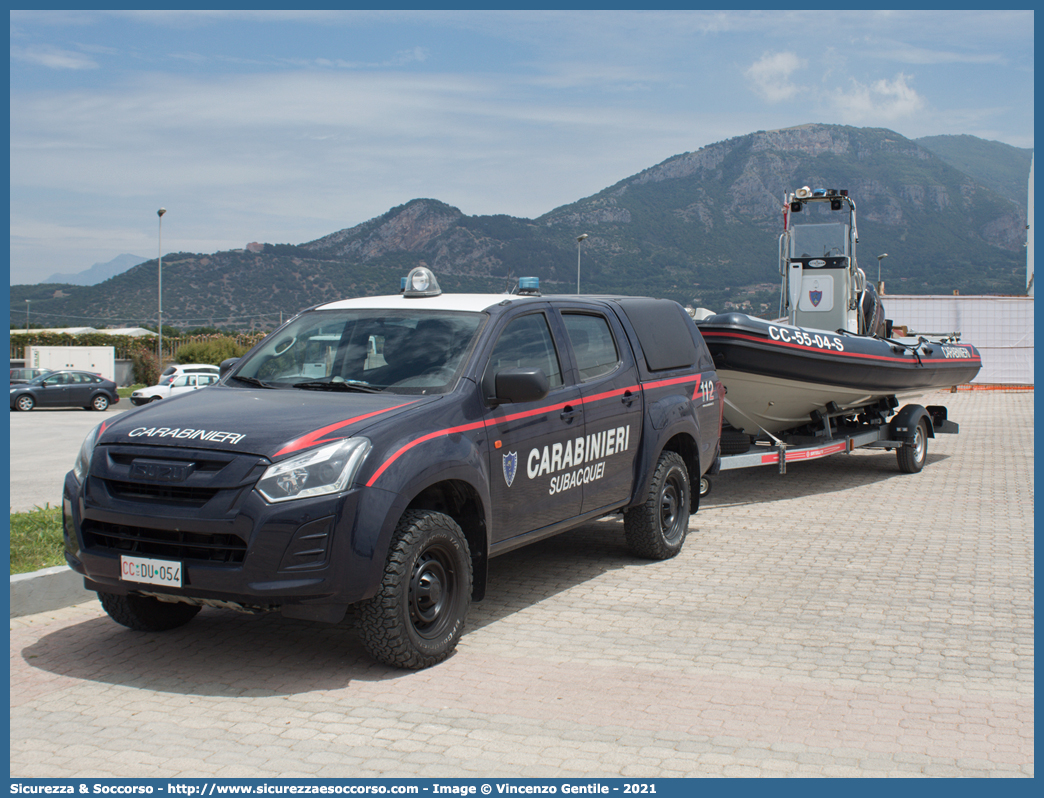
(521, 384)
(226, 365)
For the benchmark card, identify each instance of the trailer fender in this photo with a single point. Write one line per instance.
(903, 427)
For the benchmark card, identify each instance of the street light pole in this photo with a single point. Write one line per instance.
(159, 326)
(579, 241)
(28, 302)
(880, 287)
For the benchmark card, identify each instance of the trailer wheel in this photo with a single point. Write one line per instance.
(657, 528)
(418, 614)
(911, 456)
(146, 614)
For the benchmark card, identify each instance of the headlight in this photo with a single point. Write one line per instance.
(329, 469)
(83, 459)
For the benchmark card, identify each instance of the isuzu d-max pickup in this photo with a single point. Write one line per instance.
(377, 452)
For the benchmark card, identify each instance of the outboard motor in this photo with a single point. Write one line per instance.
(871, 313)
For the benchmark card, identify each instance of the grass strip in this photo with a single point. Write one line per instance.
(36, 540)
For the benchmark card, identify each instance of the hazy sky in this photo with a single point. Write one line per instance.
(282, 127)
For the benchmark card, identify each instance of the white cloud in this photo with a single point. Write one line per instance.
(883, 102)
(922, 55)
(771, 76)
(53, 58)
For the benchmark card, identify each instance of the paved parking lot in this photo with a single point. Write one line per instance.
(843, 620)
(44, 443)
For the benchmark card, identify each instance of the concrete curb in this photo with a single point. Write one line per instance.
(49, 589)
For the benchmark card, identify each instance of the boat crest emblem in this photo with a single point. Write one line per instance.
(510, 467)
(815, 297)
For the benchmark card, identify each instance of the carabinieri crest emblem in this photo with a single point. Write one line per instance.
(510, 466)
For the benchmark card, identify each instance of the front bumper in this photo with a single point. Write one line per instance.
(309, 558)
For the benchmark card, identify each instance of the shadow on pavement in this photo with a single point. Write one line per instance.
(225, 653)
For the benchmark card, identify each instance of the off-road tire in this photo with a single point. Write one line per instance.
(25, 403)
(656, 529)
(418, 614)
(146, 614)
(912, 456)
(100, 403)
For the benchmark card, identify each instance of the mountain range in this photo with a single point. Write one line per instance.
(700, 227)
(99, 272)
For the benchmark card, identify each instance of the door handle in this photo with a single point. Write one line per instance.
(628, 398)
(569, 413)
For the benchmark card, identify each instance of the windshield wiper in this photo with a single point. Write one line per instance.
(345, 385)
(251, 381)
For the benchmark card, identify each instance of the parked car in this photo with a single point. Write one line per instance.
(180, 383)
(65, 389)
(19, 376)
(177, 369)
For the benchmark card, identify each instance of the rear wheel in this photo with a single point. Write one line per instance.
(911, 456)
(657, 528)
(100, 403)
(146, 614)
(418, 614)
(25, 403)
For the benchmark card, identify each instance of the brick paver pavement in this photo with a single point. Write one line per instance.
(843, 620)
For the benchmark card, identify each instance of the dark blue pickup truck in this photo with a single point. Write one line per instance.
(378, 451)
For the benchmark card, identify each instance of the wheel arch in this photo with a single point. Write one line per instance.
(903, 425)
(462, 502)
(681, 440)
(684, 445)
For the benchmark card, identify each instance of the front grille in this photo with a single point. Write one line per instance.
(170, 494)
(166, 544)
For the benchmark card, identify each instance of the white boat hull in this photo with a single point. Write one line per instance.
(756, 403)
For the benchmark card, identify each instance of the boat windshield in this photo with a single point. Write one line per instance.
(371, 349)
(828, 240)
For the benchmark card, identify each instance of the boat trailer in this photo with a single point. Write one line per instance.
(906, 433)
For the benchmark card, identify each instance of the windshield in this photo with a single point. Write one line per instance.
(410, 351)
(819, 240)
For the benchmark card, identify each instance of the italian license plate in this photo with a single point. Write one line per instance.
(151, 572)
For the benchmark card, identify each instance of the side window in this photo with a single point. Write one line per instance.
(593, 345)
(527, 341)
(181, 381)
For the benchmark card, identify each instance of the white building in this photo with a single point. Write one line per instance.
(1000, 327)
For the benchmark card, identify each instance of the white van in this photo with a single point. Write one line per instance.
(176, 369)
(181, 379)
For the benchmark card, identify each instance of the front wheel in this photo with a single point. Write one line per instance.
(418, 614)
(146, 614)
(912, 455)
(25, 403)
(657, 528)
